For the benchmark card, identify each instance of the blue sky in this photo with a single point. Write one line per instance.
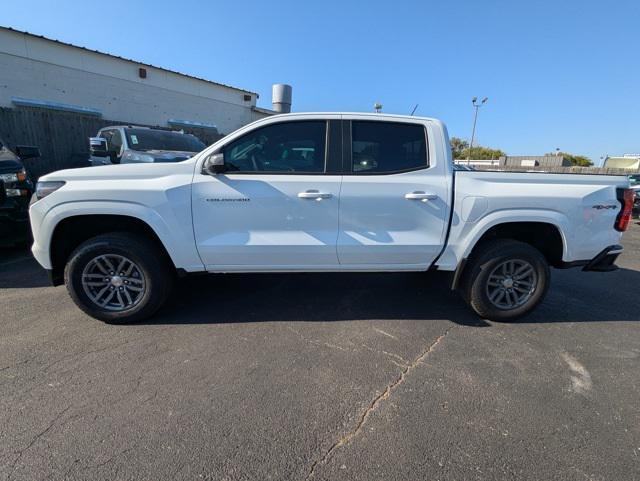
(563, 73)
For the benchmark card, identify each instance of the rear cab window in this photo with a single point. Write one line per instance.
(379, 147)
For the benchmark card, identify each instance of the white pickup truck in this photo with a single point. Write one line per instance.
(322, 192)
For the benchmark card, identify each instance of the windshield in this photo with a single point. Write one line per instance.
(147, 139)
(635, 179)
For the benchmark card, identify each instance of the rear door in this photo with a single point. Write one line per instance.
(393, 203)
(276, 206)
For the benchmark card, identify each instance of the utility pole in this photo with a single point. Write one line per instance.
(476, 106)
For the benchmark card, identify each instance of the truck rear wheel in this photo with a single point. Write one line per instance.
(505, 279)
(118, 278)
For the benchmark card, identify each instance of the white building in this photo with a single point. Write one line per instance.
(39, 72)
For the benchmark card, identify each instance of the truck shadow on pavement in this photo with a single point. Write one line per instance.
(237, 298)
(574, 296)
(18, 269)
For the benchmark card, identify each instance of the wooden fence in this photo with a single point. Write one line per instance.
(62, 136)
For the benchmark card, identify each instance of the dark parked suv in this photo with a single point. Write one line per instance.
(16, 188)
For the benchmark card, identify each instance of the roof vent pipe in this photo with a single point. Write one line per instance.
(281, 98)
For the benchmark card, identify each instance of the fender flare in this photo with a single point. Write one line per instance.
(467, 235)
(175, 248)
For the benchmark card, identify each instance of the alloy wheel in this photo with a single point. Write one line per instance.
(113, 282)
(511, 284)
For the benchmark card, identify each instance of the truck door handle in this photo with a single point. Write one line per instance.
(314, 194)
(420, 195)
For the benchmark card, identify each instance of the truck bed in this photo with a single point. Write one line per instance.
(582, 207)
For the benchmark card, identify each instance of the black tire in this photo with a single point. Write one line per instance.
(152, 264)
(491, 255)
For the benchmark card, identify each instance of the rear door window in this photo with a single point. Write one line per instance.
(387, 147)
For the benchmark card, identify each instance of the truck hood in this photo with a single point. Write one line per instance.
(169, 155)
(121, 171)
(9, 162)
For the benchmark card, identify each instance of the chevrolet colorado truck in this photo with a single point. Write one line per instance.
(322, 192)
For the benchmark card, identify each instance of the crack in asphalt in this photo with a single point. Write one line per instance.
(346, 438)
(35, 438)
(137, 381)
(24, 361)
(84, 354)
(113, 457)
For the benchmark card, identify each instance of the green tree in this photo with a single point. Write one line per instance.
(460, 149)
(578, 160)
(457, 146)
(481, 153)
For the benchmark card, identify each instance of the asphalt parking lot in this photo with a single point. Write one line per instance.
(352, 376)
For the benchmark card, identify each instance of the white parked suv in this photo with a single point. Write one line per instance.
(322, 192)
(130, 144)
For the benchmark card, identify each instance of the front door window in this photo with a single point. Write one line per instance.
(287, 147)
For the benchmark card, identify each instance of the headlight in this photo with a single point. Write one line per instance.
(17, 177)
(45, 188)
(16, 192)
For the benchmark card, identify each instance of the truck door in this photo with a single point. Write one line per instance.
(394, 205)
(275, 206)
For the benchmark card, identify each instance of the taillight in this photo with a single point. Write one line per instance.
(625, 196)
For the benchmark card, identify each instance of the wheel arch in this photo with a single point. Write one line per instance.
(73, 230)
(544, 236)
(547, 237)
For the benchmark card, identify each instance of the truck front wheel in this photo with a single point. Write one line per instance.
(505, 279)
(118, 278)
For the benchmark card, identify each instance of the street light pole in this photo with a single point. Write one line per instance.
(476, 106)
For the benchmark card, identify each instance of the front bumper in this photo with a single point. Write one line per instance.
(605, 260)
(40, 247)
(14, 220)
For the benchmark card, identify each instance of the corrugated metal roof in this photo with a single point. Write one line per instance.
(126, 59)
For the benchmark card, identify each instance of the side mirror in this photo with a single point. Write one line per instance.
(214, 164)
(98, 147)
(27, 152)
